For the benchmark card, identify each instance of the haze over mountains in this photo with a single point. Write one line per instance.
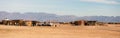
(53, 17)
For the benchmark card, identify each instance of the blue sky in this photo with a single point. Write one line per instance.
(64, 7)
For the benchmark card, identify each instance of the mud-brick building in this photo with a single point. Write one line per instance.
(101, 23)
(84, 23)
(113, 22)
(28, 23)
(31, 23)
(90, 23)
(35, 23)
(13, 22)
(1, 22)
(79, 22)
(18, 22)
(6, 22)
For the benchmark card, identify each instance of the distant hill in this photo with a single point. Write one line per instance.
(46, 17)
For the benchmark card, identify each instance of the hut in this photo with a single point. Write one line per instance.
(90, 23)
(1, 22)
(113, 22)
(35, 23)
(6, 22)
(17, 22)
(79, 22)
(28, 23)
(13, 22)
(84, 23)
(101, 23)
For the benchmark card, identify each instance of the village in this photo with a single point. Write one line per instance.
(21, 22)
(21, 28)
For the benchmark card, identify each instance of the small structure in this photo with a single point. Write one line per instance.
(35, 23)
(84, 23)
(1, 22)
(113, 22)
(90, 23)
(79, 22)
(6, 22)
(101, 23)
(28, 23)
(12, 22)
(17, 22)
(20, 22)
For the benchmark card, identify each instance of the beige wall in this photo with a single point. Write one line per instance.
(28, 23)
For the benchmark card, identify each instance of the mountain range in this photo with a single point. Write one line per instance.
(41, 16)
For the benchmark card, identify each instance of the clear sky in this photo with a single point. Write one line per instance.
(64, 7)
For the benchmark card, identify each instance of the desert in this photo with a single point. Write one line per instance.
(62, 31)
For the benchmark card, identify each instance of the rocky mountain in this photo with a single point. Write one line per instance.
(53, 17)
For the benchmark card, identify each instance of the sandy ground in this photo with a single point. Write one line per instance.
(64, 31)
